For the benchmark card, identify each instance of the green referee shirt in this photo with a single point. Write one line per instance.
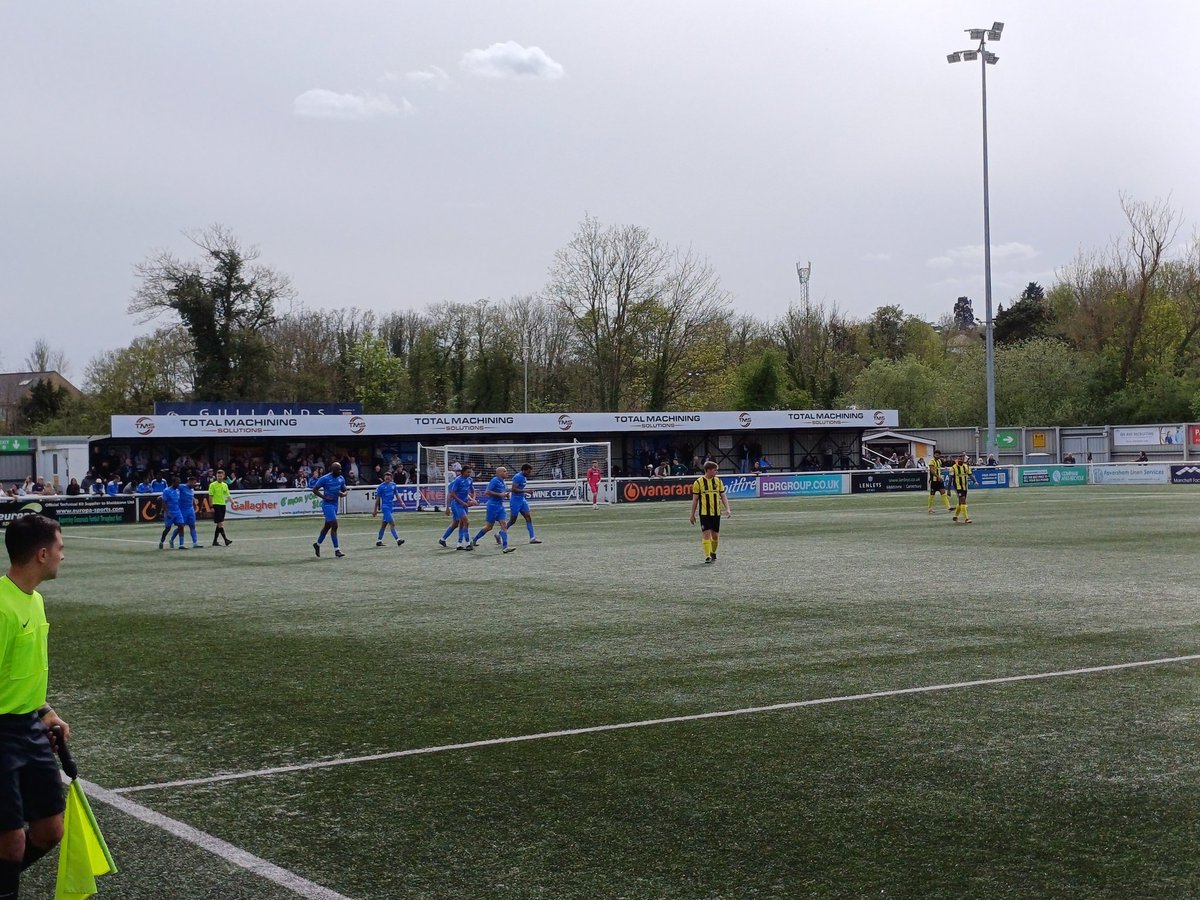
(24, 659)
(218, 493)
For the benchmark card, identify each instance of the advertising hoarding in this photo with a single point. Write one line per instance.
(1052, 476)
(807, 485)
(1131, 473)
(886, 482)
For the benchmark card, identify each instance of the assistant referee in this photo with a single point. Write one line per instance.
(31, 788)
(708, 496)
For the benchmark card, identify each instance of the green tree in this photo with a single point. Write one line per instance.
(46, 401)
(1029, 317)
(379, 379)
(964, 315)
(224, 301)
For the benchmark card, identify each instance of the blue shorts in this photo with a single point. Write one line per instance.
(387, 512)
(516, 506)
(495, 513)
(330, 510)
(172, 517)
(188, 518)
(457, 509)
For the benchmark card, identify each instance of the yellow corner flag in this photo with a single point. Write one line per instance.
(82, 855)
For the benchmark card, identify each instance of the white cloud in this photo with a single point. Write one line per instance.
(434, 76)
(972, 254)
(511, 60)
(878, 257)
(322, 104)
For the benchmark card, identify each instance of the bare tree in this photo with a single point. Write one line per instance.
(44, 359)
(604, 280)
(1153, 226)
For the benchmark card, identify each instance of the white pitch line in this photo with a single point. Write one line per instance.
(645, 723)
(226, 851)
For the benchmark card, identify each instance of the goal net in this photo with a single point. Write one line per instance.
(560, 471)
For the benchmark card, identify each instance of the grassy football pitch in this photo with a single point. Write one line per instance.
(933, 770)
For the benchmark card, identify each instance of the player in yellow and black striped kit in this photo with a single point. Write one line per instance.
(936, 484)
(708, 496)
(962, 476)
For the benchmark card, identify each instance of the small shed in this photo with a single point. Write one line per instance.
(879, 446)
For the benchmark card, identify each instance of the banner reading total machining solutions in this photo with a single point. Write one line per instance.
(1052, 476)
(283, 425)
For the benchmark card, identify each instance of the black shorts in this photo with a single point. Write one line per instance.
(31, 787)
(710, 523)
(936, 485)
(962, 494)
(218, 513)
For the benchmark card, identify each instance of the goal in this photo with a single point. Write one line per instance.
(559, 470)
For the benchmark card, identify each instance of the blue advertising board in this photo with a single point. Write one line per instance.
(818, 485)
(740, 487)
(991, 478)
(1188, 474)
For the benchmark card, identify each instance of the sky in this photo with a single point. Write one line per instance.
(388, 154)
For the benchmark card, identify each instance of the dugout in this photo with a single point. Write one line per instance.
(791, 440)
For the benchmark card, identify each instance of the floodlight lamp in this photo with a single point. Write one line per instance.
(991, 58)
(954, 57)
(997, 27)
(977, 33)
(993, 35)
(970, 55)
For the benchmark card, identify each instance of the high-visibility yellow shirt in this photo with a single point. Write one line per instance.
(709, 490)
(218, 493)
(24, 657)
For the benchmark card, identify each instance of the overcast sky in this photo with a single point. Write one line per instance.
(390, 154)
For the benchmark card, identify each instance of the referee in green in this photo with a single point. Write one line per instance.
(218, 494)
(31, 791)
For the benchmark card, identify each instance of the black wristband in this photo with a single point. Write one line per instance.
(44, 710)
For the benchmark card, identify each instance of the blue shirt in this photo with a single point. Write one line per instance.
(330, 486)
(143, 488)
(386, 492)
(497, 485)
(460, 488)
(170, 498)
(187, 498)
(518, 487)
(157, 486)
(112, 489)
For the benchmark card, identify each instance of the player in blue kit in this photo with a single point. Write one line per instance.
(172, 516)
(460, 496)
(496, 493)
(518, 502)
(187, 510)
(385, 503)
(330, 487)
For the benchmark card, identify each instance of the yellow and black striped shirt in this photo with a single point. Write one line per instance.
(935, 470)
(961, 472)
(709, 490)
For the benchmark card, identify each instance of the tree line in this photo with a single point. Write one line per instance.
(626, 322)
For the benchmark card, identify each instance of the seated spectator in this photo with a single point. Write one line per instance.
(98, 487)
(144, 486)
(677, 468)
(39, 487)
(113, 488)
(26, 487)
(158, 485)
(1069, 459)
(73, 488)
(1142, 457)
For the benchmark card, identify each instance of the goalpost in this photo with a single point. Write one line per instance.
(559, 470)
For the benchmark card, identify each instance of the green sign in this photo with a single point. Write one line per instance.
(14, 445)
(1053, 476)
(1007, 440)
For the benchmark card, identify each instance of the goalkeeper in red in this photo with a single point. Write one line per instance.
(708, 498)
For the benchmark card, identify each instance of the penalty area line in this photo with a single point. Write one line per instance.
(646, 723)
(223, 849)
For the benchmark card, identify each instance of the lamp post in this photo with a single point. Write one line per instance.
(986, 58)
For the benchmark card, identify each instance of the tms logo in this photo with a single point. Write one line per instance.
(879, 417)
(565, 422)
(358, 424)
(144, 426)
(744, 420)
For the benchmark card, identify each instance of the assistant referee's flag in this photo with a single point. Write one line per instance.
(82, 855)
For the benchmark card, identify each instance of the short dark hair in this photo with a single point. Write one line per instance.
(25, 535)
(527, 468)
(710, 465)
